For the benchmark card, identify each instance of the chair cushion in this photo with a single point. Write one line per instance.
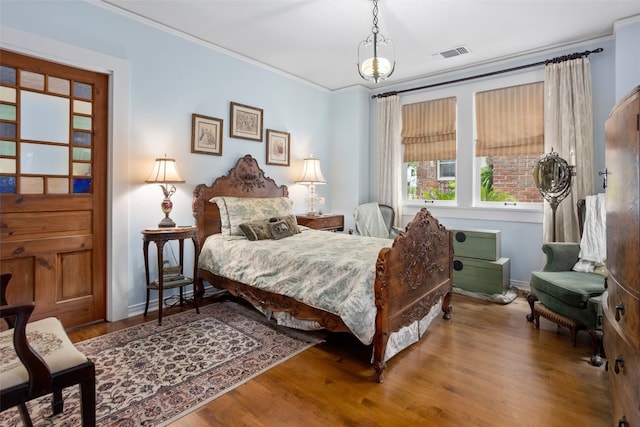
(49, 339)
(571, 287)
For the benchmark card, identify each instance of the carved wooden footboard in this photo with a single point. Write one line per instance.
(412, 276)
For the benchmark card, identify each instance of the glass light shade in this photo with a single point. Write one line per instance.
(311, 172)
(373, 66)
(164, 170)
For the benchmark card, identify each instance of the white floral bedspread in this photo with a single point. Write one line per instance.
(331, 271)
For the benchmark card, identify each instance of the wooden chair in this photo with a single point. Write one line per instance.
(56, 364)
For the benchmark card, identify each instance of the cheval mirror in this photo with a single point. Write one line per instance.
(553, 176)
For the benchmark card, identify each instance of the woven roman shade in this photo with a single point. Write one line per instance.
(510, 121)
(429, 130)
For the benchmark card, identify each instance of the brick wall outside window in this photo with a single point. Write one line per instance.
(510, 174)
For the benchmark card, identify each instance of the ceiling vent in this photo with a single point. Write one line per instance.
(451, 53)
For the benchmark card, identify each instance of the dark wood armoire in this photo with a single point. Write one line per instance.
(622, 301)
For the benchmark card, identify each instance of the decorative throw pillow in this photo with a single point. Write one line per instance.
(291, 221)
(247, 209)
(280, 229)
(256, 230)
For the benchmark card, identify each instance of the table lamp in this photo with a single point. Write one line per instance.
(165, 171)
(311, 176)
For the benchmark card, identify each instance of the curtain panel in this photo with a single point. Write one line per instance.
(510, 121)
(569, 128)
(429, 130)
(389, 157)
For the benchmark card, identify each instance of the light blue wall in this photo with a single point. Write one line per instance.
(171, 77)
(627, 33)
(351, 151)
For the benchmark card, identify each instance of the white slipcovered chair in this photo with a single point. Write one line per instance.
(376, 220)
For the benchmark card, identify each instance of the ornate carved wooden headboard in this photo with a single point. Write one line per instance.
(245, 179)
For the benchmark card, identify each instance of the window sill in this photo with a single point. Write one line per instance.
(511, 214)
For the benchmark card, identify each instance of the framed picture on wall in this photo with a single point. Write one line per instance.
(278, 144)
(206, 135)
(246, 122)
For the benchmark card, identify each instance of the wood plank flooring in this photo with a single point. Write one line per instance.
(488, 366)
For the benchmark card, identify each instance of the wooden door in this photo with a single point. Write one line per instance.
(53, 178)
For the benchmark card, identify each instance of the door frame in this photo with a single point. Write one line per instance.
(119, 275)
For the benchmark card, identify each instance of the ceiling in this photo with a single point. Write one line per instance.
(317, 40)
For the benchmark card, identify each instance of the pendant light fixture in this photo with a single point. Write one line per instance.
(376, 56)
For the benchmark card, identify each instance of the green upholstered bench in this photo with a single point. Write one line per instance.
(568, 294)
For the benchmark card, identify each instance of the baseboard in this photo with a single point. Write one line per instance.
(524, 288)
(174, 296)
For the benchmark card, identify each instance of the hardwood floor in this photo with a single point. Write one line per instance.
(488, 366)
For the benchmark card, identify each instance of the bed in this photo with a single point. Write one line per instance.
(402, 284)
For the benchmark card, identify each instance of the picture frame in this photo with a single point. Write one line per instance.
(278, 147)
(206, 135)
(246, 122)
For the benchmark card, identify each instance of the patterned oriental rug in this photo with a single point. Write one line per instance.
(152, 375)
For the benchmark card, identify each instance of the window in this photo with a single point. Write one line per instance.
(482, 140)
(509, 142)
(429, 141)
(446, 170)
(47, 133)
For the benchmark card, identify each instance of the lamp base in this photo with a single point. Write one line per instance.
(166, 223)
(313, 213)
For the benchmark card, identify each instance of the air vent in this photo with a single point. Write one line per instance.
(451, 53)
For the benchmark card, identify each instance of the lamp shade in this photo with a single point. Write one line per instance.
(164, 170)
(311, 173)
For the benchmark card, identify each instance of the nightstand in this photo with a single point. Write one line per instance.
(160, 236)
(327, 222)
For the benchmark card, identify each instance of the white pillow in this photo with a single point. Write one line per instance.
(238, 210)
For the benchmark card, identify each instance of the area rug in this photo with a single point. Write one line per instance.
(151, 375)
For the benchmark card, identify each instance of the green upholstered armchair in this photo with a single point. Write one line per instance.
(569, 298)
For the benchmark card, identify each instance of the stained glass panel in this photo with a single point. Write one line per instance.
(61, 86)
(8, 184)
(7, 94)
(7, 75)
(42, 117)
(82, 90)
(82, 169)
(7, 130)
(57, 185)
(81, 153)
(81, 138)
(81, 122)
(7, 112)
(31, 185)
(7, 148)
(7, 165)
(31, 80)
(82, 107)
(81, 185)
